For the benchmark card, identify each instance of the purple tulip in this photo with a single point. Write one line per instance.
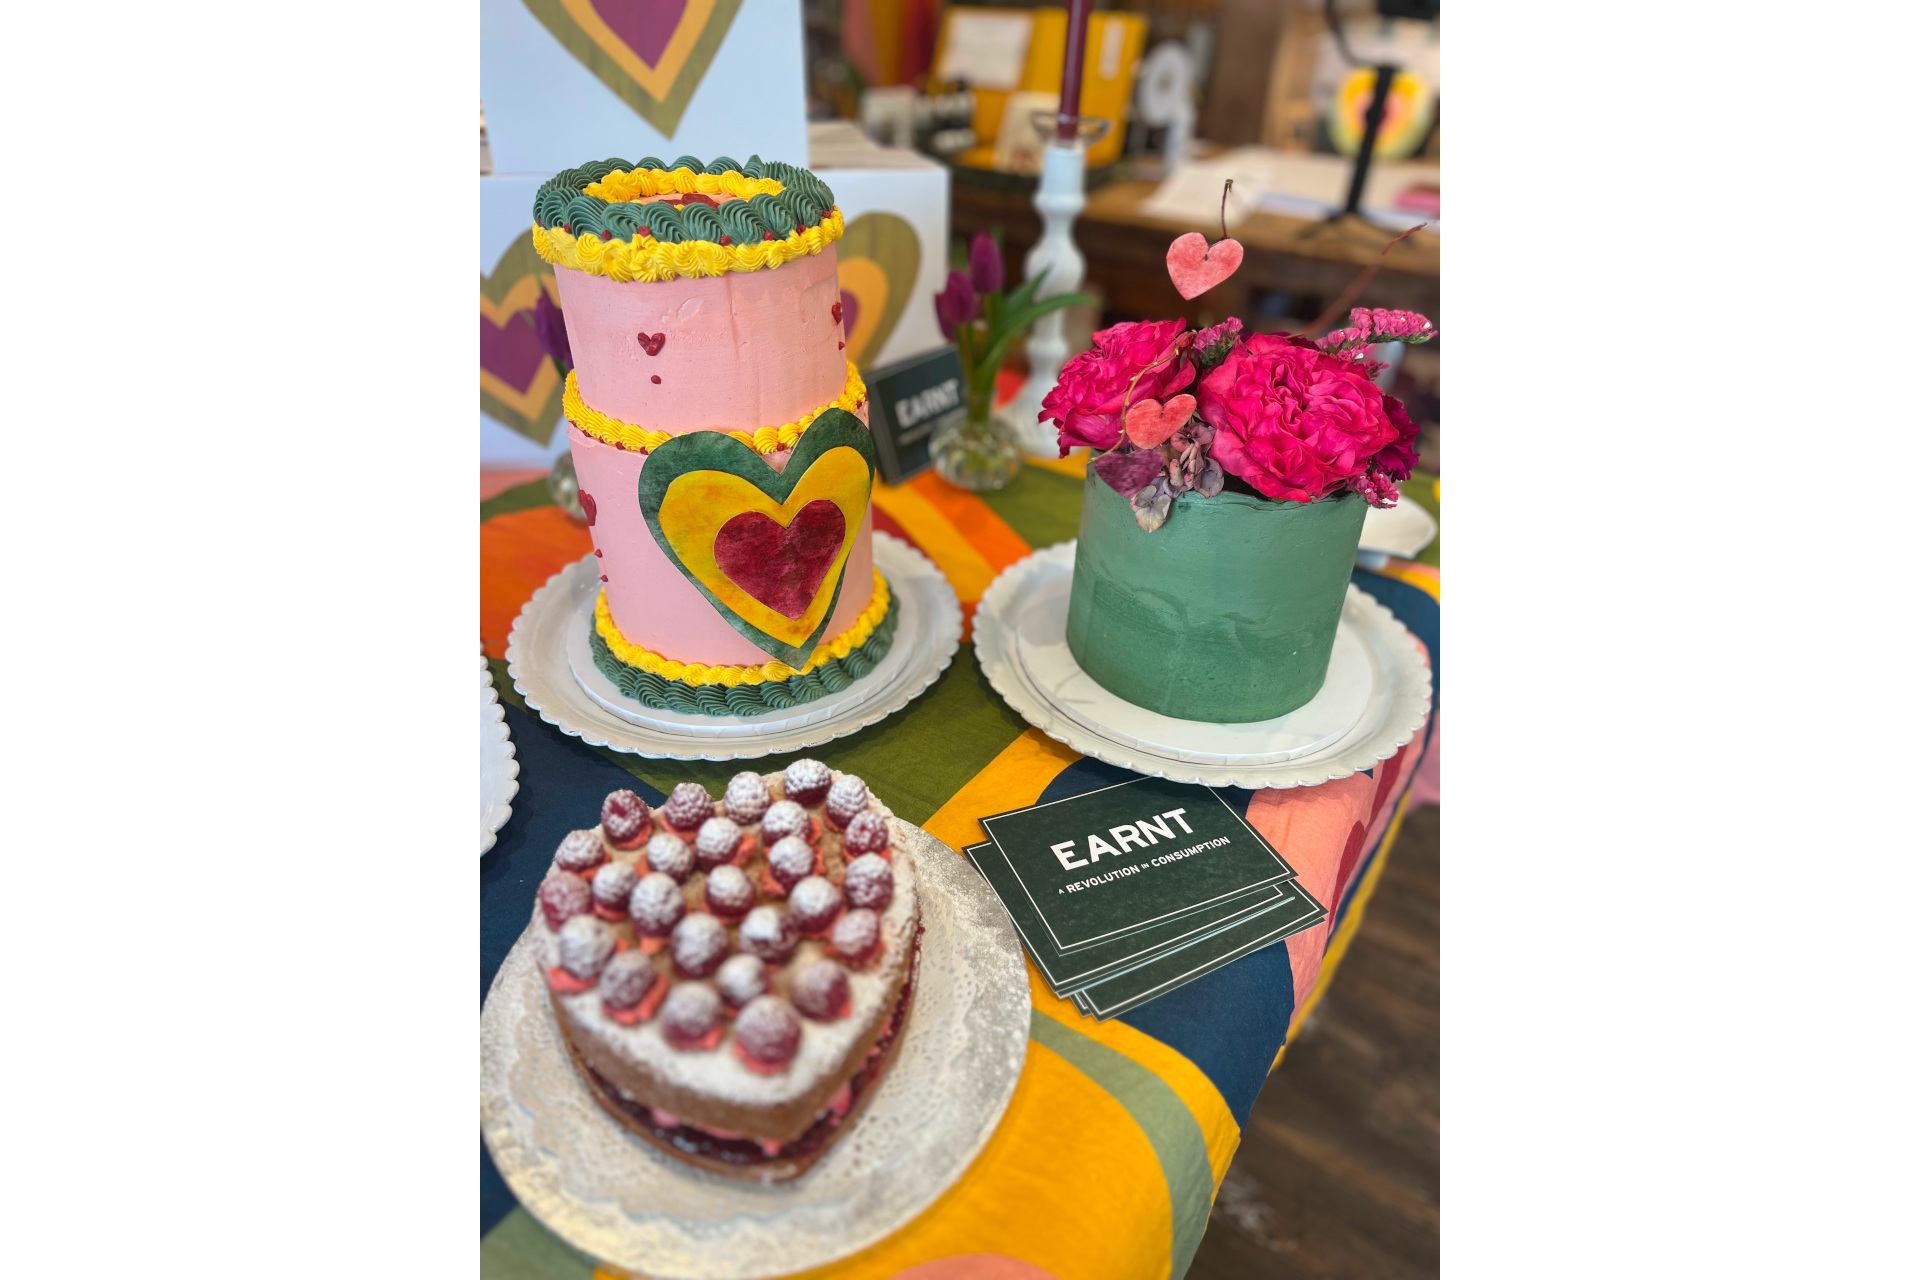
(552, 328)
(955, 305)
(983, 263)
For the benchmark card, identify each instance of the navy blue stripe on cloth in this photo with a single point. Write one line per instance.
(1413, 606)
(562, 782)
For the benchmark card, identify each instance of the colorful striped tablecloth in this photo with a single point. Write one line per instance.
(1106, 1163)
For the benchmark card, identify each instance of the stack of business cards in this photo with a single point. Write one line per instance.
(1124, 893)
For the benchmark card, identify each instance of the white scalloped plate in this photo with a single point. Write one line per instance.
(1377, 695)
(554, 622)
(499, 771)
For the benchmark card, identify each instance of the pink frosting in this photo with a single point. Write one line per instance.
(652, 603)
(742, 350)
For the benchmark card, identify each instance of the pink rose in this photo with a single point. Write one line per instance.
(1090, 399)
(1291, 421)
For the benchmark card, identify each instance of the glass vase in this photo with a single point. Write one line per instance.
(976, 452)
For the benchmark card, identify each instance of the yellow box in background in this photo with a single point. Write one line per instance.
(1114, 45)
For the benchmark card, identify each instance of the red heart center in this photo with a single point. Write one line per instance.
(652, 342)
(781, 566)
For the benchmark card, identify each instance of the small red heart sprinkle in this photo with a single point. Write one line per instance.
(652, 342)
(587, 505)
(836, 313)
(603, 577)
(843, 346)
(598, 552)
(726, 239)
(767, 235)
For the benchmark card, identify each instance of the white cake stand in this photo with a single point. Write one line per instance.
(552, 667)
(1376, 697)
(499, 771)
(615, 1197)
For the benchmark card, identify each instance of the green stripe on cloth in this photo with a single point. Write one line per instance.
(1161, 1115)
(917, 757)
(518, 1248)
(522, 497)
(1043, 507)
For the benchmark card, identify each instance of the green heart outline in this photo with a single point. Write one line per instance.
(717, 451)
(662, 113)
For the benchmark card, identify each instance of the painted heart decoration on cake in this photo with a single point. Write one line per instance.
(1195, 266)
(879, 256)
(653, 54)
(519, 383)
(1149, 423)
(768, 549)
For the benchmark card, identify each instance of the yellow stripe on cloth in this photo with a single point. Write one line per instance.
(966, 568)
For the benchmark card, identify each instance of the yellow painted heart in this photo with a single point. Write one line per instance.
(767, 548)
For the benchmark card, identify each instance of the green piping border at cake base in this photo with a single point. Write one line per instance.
(660, 693)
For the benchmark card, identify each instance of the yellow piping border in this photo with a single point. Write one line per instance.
(650, 261)
(699, 674)
(625, 435)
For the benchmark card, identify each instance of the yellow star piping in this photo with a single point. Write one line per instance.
(761, 440)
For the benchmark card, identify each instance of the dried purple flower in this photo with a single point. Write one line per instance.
(1126, 473)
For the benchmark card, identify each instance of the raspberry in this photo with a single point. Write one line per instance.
(614, 885)
(730, 894)
(669, 854)
(785, 818)
(807, 781)
(625, 818)
(691, 1011)
(813, 904)
(847, 799)
(687, 807)
(742, 978)
(579, 851)
(564, 895)
(856, 935)
(656, 905)
(718, 841)
(699, 944)
(867, 833)
(768, 933)
(868, 882)
(790, 861)
(584, 946)
(820, 991)
(747, 797)
(626, 979)
(768, 1031)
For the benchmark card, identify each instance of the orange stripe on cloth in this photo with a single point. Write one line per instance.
(975, 521)
(1413, 573)
(519, 551)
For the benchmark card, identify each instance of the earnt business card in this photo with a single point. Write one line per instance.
(1106, 863)
(1067, 972)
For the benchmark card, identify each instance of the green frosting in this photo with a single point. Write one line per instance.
(562, 202)
(657, 691)
(1224, 614)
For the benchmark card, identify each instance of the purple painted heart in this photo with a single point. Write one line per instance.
(644, 26)
(781, 566)
(512, 352)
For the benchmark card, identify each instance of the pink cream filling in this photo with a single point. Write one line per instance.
(837, 1107)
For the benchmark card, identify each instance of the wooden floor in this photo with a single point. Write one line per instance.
(1339, 1173)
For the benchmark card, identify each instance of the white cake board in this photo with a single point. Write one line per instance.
(499, 771)
(552, 669)
(1376, 696)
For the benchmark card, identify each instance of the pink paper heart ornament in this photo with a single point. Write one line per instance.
(1149, 422)
(1195, 266)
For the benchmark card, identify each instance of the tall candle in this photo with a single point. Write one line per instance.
(1069, 121)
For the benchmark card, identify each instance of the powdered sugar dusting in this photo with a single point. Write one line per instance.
(847, 797)
(784, 819)
(813, 904)
(579, 851)
(584, 945)
(656, 905)
(627, 978)
(687, 807)
(699, 943)
(807, 781)
(718, 841)
(668, 853)
(868, 882)
(768, 932)
(747, 797)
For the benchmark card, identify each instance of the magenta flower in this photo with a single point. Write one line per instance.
(1096, 386)
(984, 266)
(1293, 422)
(1376, 487)
(1210, 346)
(955, 305)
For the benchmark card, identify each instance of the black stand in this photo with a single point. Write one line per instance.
(1363, 159)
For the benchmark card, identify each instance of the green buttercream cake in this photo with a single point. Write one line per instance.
(1224, 614)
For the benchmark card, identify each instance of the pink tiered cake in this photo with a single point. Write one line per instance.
(703, 308)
